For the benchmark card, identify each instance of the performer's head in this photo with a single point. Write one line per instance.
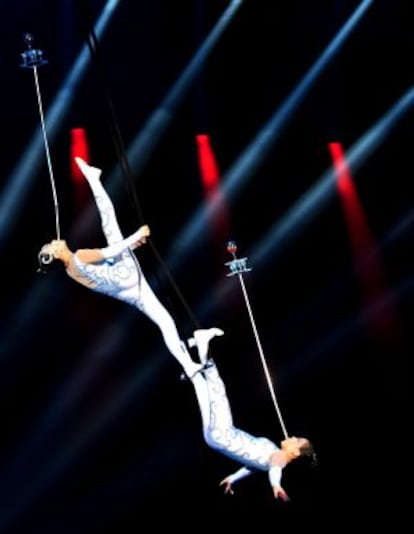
(49, 253)
(299, 447)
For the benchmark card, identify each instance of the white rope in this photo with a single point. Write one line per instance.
(49, 162)
(238, 266)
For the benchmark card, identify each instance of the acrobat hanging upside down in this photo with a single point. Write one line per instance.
(115, 270)
(254, 453)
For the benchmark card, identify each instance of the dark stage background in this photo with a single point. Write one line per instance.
(98, 432)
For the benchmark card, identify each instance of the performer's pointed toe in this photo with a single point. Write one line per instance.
(202, 339)
(87, 170)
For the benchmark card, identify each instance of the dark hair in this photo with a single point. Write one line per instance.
(307, 451)
(45, 260)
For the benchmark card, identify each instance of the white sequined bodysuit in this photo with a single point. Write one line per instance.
(121, 276)
(218, 429)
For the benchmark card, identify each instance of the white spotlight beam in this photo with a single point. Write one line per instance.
(315, 199)
(254, 155)
(42, 476)
(307, 207)
(323, 347)
(19, 183)
(301, 213)
(143, 146)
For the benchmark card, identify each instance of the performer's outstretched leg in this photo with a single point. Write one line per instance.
(104, 204)
(218, 427)
(216, 416)
(221, 434)
(152, 307)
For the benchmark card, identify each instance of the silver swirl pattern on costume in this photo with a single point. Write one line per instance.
(222, 435)
(108, 218)
(117, 277)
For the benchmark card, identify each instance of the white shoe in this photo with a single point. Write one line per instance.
(202, 339)
(90, 173)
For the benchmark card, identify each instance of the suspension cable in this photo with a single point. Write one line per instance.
(238, 267)
(121, 155)
(32, 59)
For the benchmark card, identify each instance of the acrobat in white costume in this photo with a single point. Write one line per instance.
(120, 274)
(217, 421)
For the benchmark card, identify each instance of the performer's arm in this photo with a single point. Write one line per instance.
(238, 475)
(275, 478)
(95, 255)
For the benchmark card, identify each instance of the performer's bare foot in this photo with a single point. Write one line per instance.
(202, 339)
(90, 173)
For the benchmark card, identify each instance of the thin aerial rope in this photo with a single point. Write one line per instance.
(121, 155)
(238, 267)
(32, 59)
(113, 123)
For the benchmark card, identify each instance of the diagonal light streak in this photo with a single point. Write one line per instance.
(19, 183)
(255, 153)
